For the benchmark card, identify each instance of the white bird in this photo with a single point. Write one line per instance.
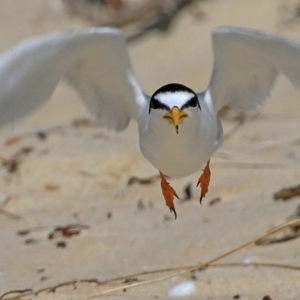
(179, 129)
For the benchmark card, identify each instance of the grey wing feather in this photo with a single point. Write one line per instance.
(94, 61)
(246, 64)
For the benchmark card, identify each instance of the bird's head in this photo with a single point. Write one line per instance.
(177, 101)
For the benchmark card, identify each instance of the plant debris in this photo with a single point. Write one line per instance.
(138, 180)
(214, 201)
(140, 204)
(42, 135)
(43, 278)
(285, 237)
(12, 141)
(23, 232)
(187, 193)
(16, 292)
(122, 279)
(67, 231)
(12, 164)
(30, 241)
(287, 193)
(130, 280)
(266, 298)
(58, 234)
(61, 244)
(51, 187)
(83, 123)
(286, 234)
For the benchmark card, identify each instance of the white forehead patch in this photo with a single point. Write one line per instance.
(174, 98)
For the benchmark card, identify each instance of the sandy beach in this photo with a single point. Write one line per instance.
(71, 214)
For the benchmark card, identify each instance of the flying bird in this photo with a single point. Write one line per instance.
(179, 129)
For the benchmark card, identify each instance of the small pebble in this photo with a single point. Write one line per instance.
(251, 260)
(183, 289)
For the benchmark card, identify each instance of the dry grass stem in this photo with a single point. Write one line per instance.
(200, 266)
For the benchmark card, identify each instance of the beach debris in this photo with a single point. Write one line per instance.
(183, 289)
(251, 260)
(58, 233)
(32, 235)
(148, 180)
(12, 164)
(266, 298)
(23, 232)
(52, 187)
(143, 204)
(214, 201)
(140, 204)
(42, 270)
(30, 241)
(42, 135)
(16, 292)
(67, 231)
(130, 280)
(287, 193)
(109, 215)
(286, 234)
(61, 244)
(83, 123)
(237, 296)
(12, 141)
(43, 278)
(187, 193)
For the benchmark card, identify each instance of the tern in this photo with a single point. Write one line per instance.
(179, 129)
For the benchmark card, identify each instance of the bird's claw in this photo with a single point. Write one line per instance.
(172, 210)
(204, 181)
(169, 194)
(201, 197)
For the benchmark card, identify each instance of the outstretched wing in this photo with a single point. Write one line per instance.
(94, 61)
(246, 64)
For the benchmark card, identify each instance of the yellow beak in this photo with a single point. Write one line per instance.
(175, 117)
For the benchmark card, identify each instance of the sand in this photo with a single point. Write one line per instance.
(79, 175)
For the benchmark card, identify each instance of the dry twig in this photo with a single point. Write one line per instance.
(200, 266)
(287, 193)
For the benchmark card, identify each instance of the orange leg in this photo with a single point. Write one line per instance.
(204, 181)
(169, 193)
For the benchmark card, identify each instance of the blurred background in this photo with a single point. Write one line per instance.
(58, 169)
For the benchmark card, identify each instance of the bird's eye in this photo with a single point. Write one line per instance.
(194, 102)
(155, 104)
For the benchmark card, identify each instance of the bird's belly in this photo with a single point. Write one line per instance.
(179, 162)
(178, 155)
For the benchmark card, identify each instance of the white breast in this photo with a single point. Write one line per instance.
(182, 154)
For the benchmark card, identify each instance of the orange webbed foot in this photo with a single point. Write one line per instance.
(169, 193)
(204, 181)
